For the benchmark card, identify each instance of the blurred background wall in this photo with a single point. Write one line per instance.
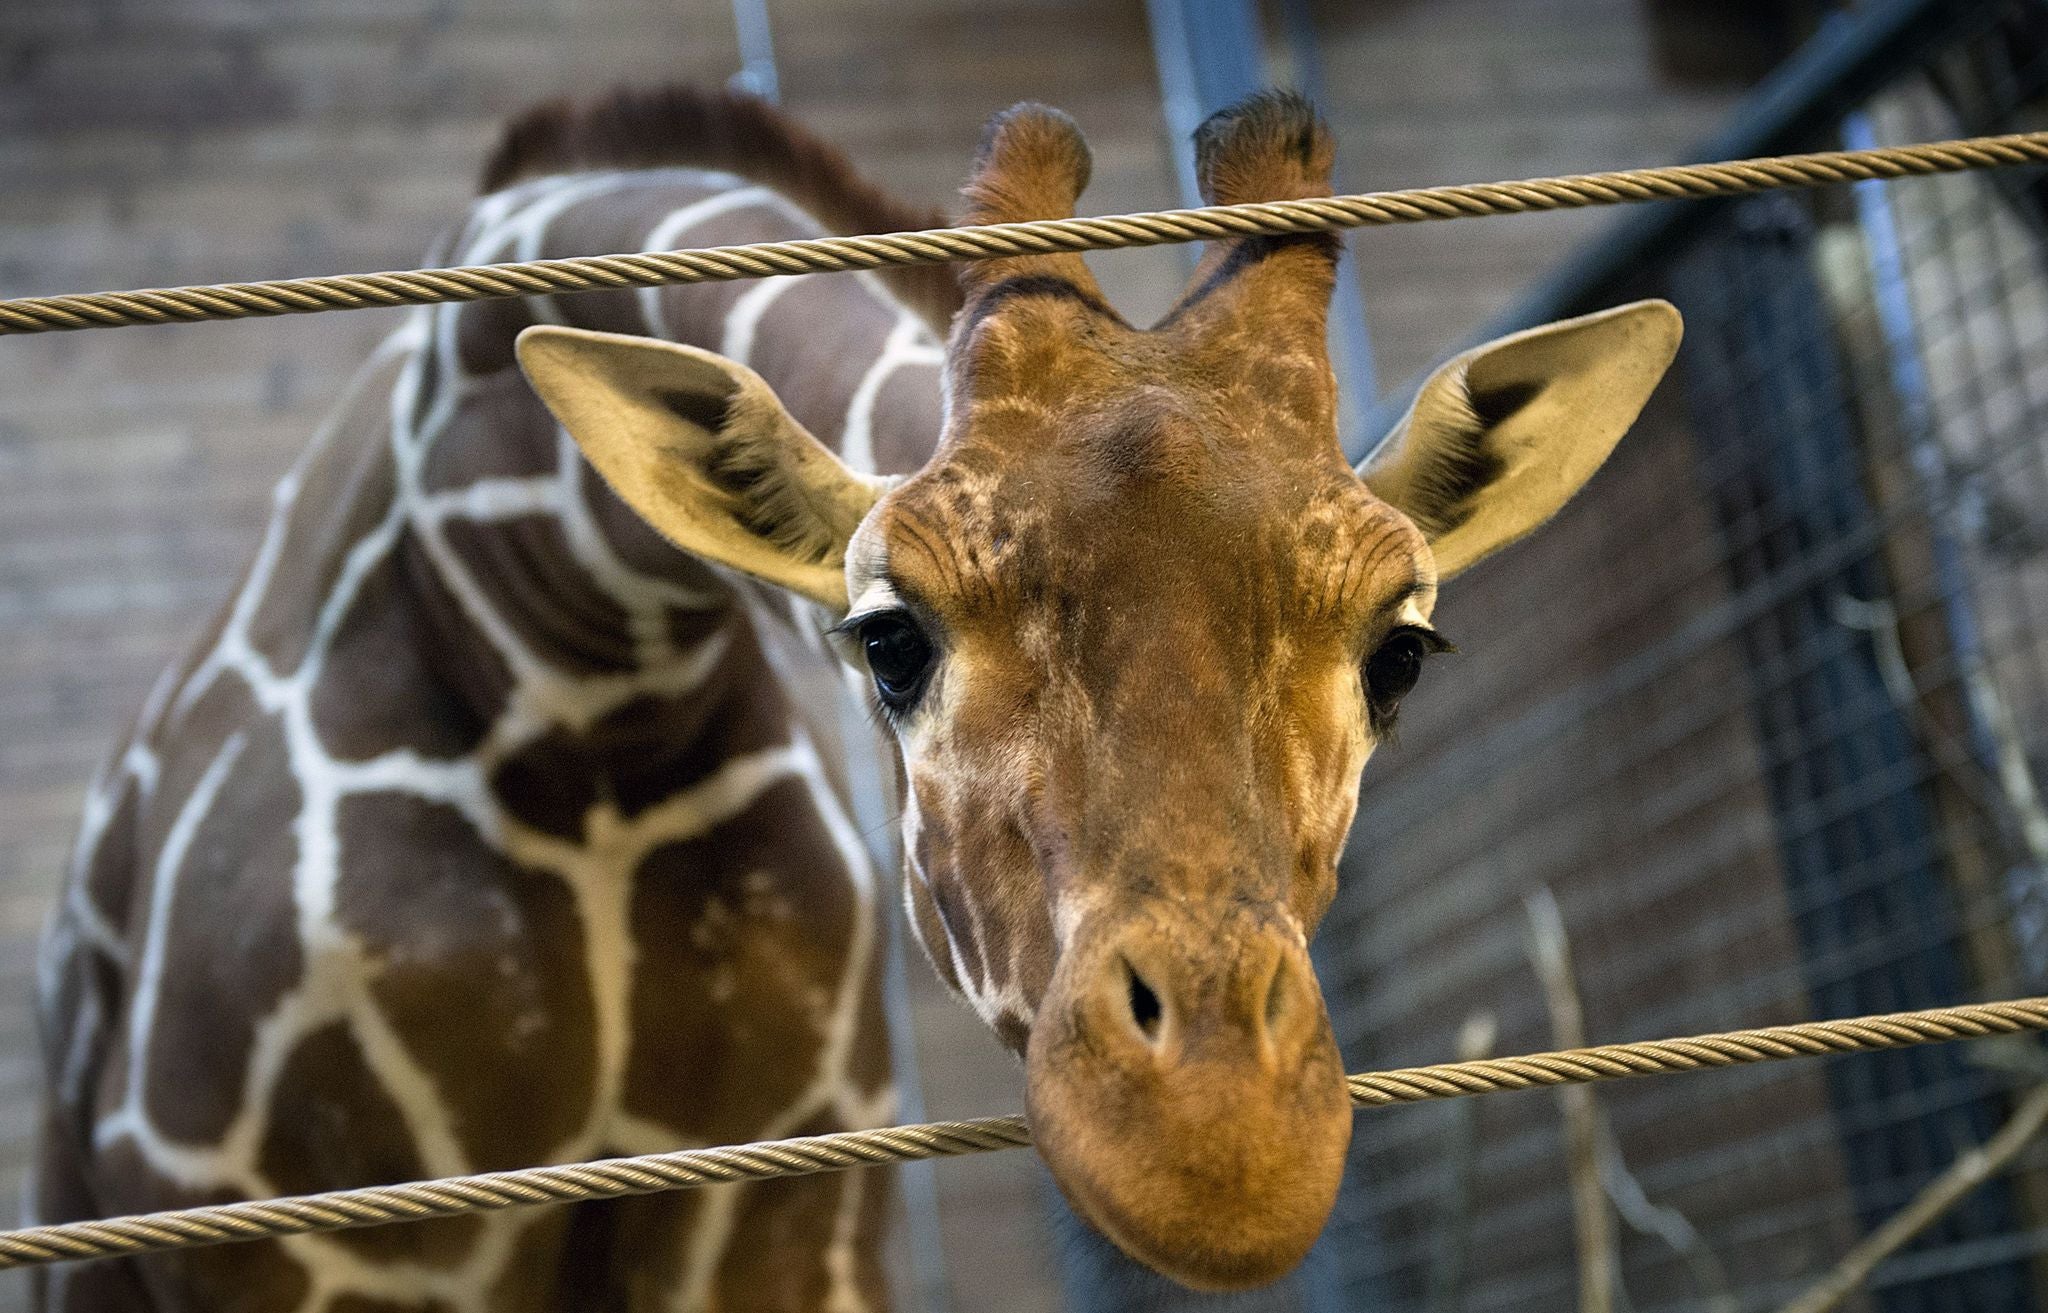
(152, 142)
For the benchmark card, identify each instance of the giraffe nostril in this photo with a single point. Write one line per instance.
(1145, 1008)
(1276, 995)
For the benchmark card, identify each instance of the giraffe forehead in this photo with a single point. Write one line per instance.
(1048, 351)
(985, 531)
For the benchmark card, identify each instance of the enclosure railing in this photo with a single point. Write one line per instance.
(692, 1168)
(295, 296)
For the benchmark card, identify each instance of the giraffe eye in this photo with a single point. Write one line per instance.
(1391, 671)
(899, 656)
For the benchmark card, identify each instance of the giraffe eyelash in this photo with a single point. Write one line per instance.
(899, 653)
(1385, 685)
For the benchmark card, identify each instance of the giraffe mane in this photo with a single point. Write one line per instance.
(729, 132)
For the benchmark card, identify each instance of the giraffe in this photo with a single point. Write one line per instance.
(1135, 626)
(486, 829)
(516, 715)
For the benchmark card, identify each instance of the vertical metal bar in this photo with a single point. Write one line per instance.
(1846, 776)
(1994, 739)
(757, 75)
(918, 1182)
(1916, 418)
(1212, 53)
(1181, 97)
(1350, 336)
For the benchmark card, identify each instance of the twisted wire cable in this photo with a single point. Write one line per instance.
(1729, 1049)
(292, 296)
(686, 1169)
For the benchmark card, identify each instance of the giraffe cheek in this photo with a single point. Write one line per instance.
(930, 931)
(937, 913)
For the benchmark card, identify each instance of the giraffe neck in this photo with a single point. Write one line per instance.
(857, 368)
(592, 588)
(593, 659)
(468, 729)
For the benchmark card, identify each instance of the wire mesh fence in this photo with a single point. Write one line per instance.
(1767, 711)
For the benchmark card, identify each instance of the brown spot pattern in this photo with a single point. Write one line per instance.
(500, 431)
(533, 582)
(814, 389)
(696, 303)
(646, 750)
(787, 1227)
(406, 669)
(742, 936)
(231, 946)
(346, 491)
(636, 545)
(111, 867)
(906, 419)
(363, 1304)
(481, 970)
(547, 783)
(333, 1126)
(484, 334)
(62, 1193)
(258, 1277)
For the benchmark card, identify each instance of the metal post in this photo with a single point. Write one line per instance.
(757, 74)
(918, 1181)
(1212, 53)
(1350, 338)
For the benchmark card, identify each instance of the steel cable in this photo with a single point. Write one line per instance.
(292, 296)
(686, 1169)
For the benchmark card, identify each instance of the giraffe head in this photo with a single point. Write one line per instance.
(1136, 627)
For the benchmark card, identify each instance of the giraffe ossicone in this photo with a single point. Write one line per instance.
(502, 817)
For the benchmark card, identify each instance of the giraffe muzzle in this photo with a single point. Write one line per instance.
(1186, 1091)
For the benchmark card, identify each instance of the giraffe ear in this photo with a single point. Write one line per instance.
(1500, 438)
(701, 448)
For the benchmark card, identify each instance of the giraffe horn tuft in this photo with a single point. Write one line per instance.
(1033, 164)
(1270, 146)
(1266, 293)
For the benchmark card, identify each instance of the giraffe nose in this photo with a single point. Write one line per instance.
(1253, 1000)
(1185, 1089)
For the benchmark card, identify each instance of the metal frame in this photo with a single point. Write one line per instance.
(1210, 54)
(1806, 98)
